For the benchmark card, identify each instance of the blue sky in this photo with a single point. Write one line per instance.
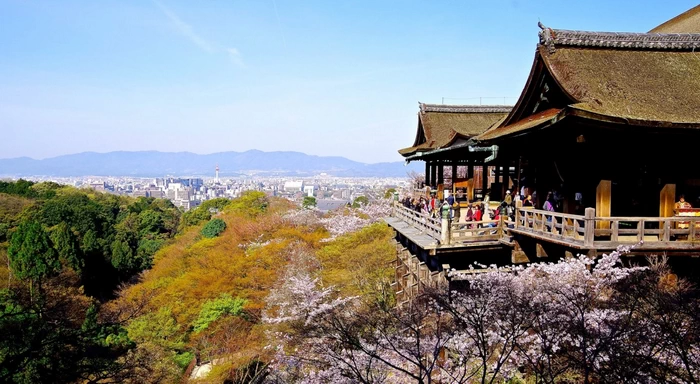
(322, 77)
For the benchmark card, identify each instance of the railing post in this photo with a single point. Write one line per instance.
(691, 230)
(615, 230)
(553, 229)
(501, 224)
(667, 231)
(640, 230)
(518, 205)
(445, 238)
(526, 221)
(589, 227)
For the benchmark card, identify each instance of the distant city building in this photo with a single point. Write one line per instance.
(293, 186)
(309, 190)
(140, 193)
(184, 204)
(331, 205)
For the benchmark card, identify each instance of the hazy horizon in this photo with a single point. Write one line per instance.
(194, 153)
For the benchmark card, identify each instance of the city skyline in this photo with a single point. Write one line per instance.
(274, 76)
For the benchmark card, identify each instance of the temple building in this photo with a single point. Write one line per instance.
(608, 126)
(443, 127)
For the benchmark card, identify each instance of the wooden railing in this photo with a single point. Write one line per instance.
(484, 230)
(586, 232)
(418, 220)
(592, 231)
(562, 226)
(647, 229)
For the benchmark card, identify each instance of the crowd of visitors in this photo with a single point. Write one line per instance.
(479, 213)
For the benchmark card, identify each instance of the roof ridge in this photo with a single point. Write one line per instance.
(551, 38)
(465, 108)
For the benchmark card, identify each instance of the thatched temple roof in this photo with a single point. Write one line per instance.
(639, 79)
(686, 22)
(439, 125)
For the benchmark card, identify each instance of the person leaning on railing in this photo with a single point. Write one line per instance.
(468, 216)
(478, 213)
(549, 206)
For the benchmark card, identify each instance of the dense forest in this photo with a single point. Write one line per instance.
(105, 289)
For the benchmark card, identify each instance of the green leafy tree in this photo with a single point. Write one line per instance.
(20, 187)
(389, 193)
(203, 212)
(31, 254)
(251, 204)
(89, 242)
(150, 222)
(309, 202)
(212, 310)
(159, 328)
(46, 190)
(360, 201)
(66, 245)
(147, 248)
(213, 228)
(123, 257)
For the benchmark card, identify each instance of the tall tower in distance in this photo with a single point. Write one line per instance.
(216, 179)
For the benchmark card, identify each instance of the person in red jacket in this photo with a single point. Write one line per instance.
(477, 215)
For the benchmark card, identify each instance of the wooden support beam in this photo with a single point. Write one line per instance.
(540, 251)
(589, 227)
(496, 185)
(484, 180)
(667, 199)
(454, 178)
(427, 173)
(517, 255)
(602, 202)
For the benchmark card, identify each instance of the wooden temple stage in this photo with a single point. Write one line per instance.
(608, 123)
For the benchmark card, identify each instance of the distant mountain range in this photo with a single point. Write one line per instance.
(154, 163)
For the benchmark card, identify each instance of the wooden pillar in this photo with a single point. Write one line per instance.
(427, 172)
(517, 182)
(440, 180)
(484, 180)
(602, 202)
(454, 178)
(470, 180)
(432, 175)
(496, 186)
(588, 227)
(667, 200)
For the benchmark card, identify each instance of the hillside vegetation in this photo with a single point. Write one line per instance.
(107, 289)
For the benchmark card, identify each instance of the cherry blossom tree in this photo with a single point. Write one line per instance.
(578, 319)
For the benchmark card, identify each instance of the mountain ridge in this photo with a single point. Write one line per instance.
(156, 163)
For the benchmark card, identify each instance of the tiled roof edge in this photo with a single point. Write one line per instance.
(623, 40)
(465, 108)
